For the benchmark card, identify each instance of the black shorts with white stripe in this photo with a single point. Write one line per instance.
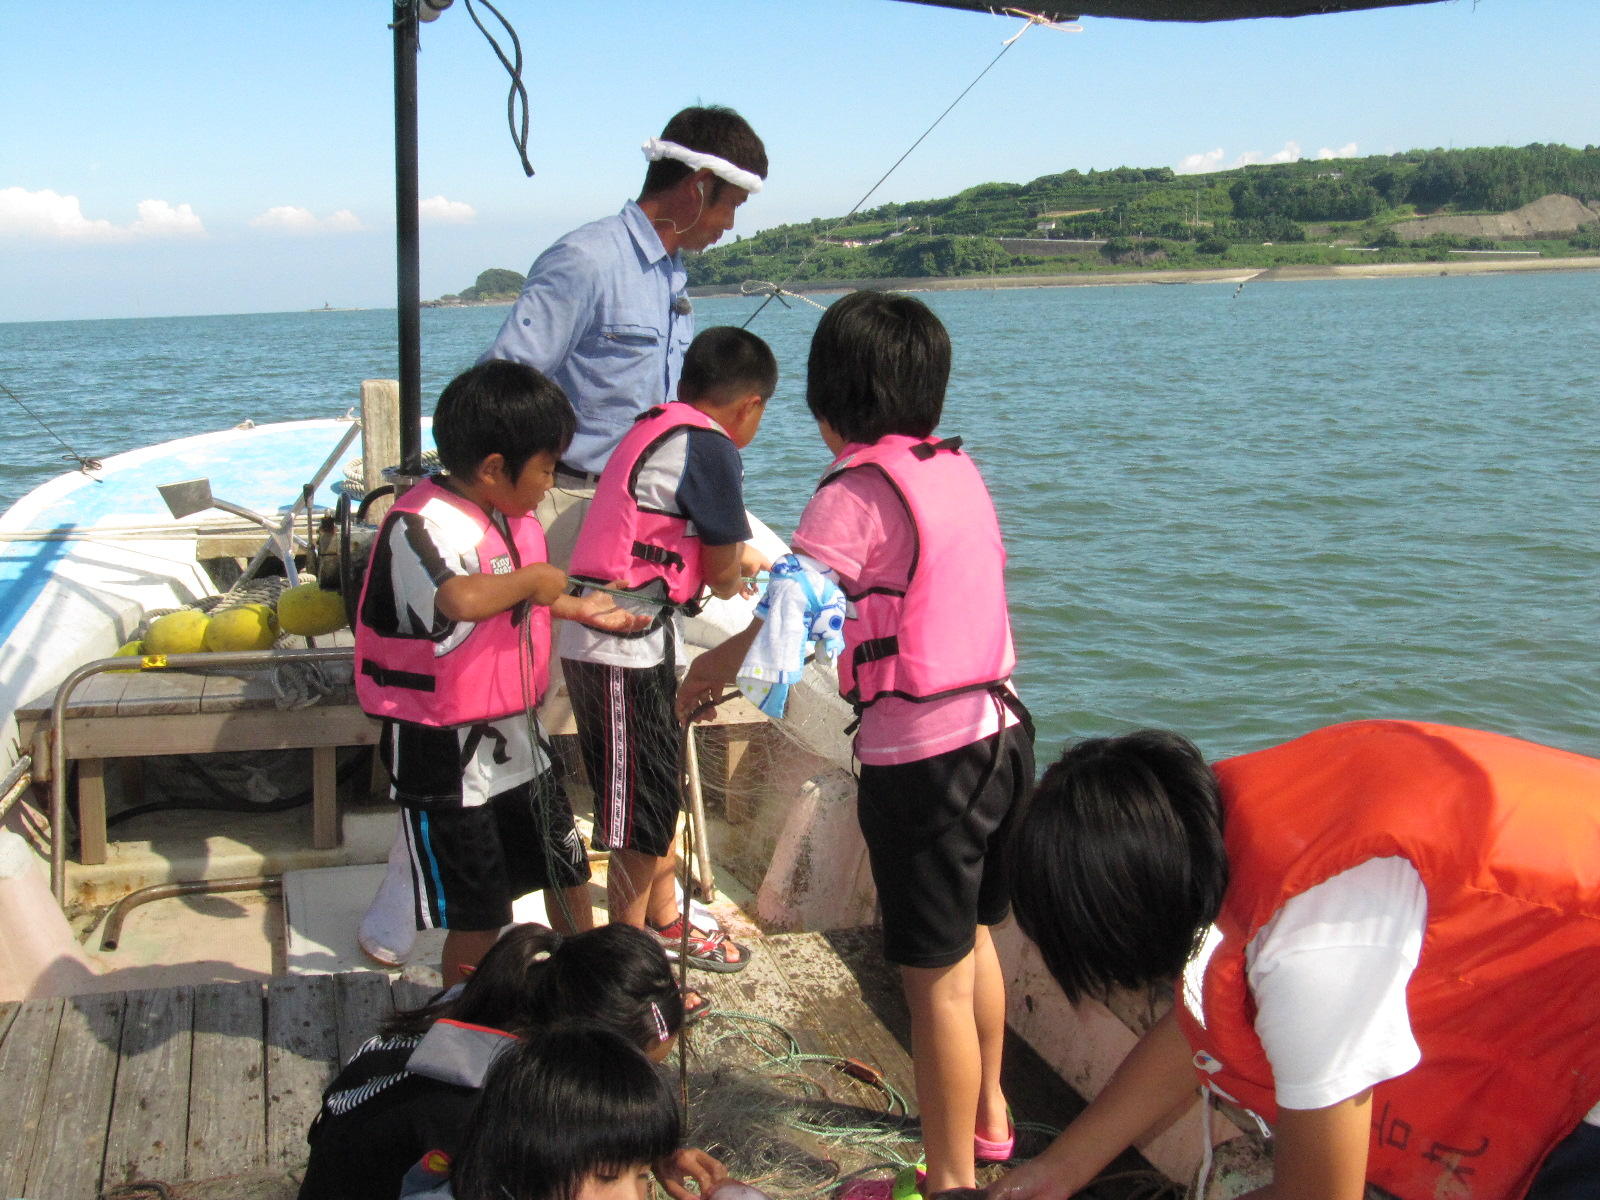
(628, 736)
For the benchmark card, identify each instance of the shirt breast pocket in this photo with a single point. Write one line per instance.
(630, 339)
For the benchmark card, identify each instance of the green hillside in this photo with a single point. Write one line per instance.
(1316, 211)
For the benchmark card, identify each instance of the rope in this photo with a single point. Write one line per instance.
(779, 290)
(85, 465)
(517, 96)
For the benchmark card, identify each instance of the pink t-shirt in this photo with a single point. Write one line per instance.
(859, 526)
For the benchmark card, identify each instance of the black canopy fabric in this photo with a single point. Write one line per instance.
(1173, 10)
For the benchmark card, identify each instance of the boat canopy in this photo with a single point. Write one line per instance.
(1174, 10)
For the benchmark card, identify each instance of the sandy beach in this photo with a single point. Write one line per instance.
(1219, 275)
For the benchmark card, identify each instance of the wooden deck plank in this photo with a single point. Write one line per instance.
(161, 693)
(228, 1087)
(231, 693)
(302, 1057)
(823, 986)
(25, 1051)
(408, 993)
(201, 733)
(362, 1000)
(69, 1149)
(149, 1131)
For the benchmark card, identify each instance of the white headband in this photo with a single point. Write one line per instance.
(655, 150)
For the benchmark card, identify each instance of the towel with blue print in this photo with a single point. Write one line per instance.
(802, 607)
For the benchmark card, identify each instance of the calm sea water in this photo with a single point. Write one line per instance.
(1240, 517)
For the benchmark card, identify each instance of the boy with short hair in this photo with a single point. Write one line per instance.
(903, 522)
(667, 520)
(452, 652)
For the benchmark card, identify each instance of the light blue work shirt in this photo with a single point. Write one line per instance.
(605, 315)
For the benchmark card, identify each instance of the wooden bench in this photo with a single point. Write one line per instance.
(139, 713)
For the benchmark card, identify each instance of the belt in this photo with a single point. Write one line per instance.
(581, 478)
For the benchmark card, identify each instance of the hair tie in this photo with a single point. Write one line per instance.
(661, 1022)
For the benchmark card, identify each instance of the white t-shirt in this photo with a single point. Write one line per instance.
(1328, 973)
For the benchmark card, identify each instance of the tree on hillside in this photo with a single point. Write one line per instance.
(496, 283)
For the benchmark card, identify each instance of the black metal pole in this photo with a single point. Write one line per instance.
(408, 253)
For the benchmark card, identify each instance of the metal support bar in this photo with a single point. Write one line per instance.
(150, 662)
(287, 525)
(112, 933)
(408, 266)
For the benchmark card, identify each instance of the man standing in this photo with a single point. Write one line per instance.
(605, 312)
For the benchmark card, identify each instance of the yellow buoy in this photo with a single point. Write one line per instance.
(128, 650)
(181, 632)
(309, 610)
(248, 627)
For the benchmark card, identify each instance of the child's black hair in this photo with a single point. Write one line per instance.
(567, 1103)
(724, 363)
(879, 364)
(710, 129)
(1116, 861)
(500, 407)
(616, 975)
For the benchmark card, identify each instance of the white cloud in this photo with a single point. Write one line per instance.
(48, 214)
(1211, 160)
(292, 219)
(1194, 164)
(437, 210)
(1289, 153)
(157, 218)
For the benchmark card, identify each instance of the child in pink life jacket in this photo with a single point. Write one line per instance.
(453, 651)
(667, 521)
(904, 524)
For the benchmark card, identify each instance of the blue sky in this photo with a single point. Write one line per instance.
(211, 156)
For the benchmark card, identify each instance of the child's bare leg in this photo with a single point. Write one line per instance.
(989, 1008)
(569, 909)
(634, 883)
(463, 948)
(945, 1055)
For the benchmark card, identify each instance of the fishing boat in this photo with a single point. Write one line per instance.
(87, 557)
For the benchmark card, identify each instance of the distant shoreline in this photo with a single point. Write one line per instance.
(1209, 275)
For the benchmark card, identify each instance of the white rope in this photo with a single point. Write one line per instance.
(764, 287)
(1029, 21)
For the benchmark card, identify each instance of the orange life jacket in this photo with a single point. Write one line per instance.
(1505, 999)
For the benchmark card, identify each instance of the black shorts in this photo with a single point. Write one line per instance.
(628, 736)
(469, 863)
(936, 844)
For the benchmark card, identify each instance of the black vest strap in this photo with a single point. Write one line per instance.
(873, 649)
(926, 450)
(658, 554)
(388, 677)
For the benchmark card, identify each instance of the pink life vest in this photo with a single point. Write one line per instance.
(497, 670)
(949, 631)
(621, 540)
